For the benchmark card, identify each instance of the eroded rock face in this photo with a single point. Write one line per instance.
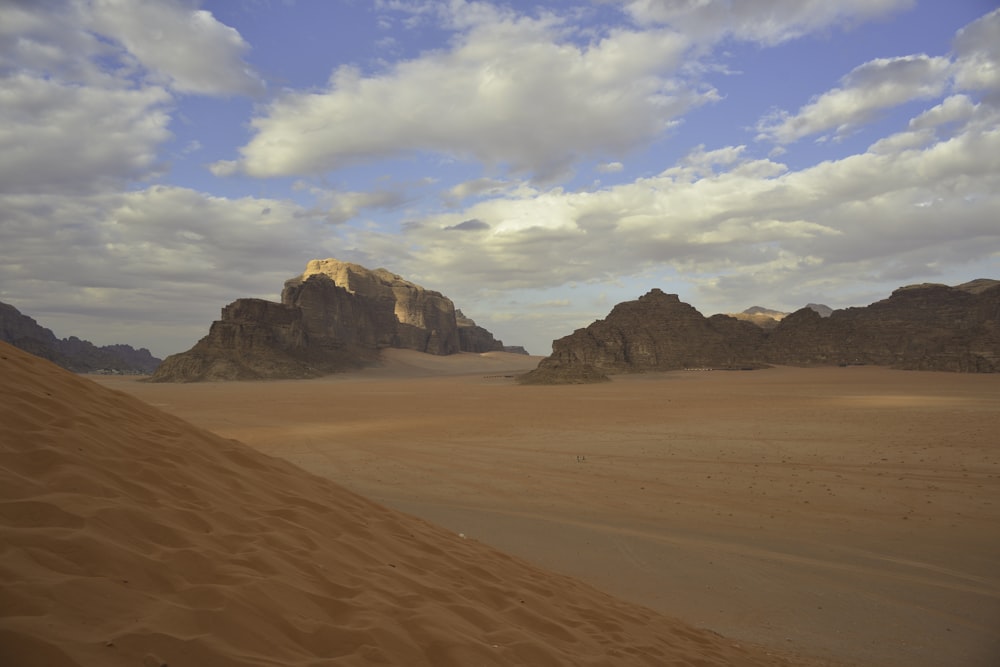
(927, 327)
(334, 316)
(655, 332)
(260, 340)
(474, 338)
(401, 313)
(72, 353)
(919, 327)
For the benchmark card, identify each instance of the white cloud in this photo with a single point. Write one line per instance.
(610, 167)
(978, 49)
(166, 256)
(511, 92)
(769, 232)
(344, 206)
(117, 42)
(954, 109)
(476, 187)
(192, 50)
(874, 86)
(85, 96)
(57, 137)
(765, 21)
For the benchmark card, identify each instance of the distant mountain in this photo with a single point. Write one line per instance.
(474, 338)
(760, 310)
(920, 327)
(335, 316)
(824, 311)
(767, 318)
(80, 356)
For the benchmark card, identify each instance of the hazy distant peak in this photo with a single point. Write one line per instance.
(824, 311)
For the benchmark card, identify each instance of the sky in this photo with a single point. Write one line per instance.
(537, 162)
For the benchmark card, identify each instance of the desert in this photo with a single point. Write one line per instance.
(131, 537)
(846, 515)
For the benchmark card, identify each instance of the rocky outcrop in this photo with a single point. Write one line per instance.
(261, 340)
(767, 318)
(561, 369)
(75, 354)
(515, 349)
(474, 338)
(335, 316)
(402, 314)
(928, 327)
(655, 332)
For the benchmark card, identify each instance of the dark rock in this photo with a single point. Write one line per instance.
(260, 340)
(655, 332)
(336, 316)
(402, 314)
(562, 369)
(80, 356)
(824, 311)
(927, 327)
(474, 338)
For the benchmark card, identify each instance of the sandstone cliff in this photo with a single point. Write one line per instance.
(402, 314)
(334, 316)
(929, 327)
(474, 338)
(75, 354)
(655, 332)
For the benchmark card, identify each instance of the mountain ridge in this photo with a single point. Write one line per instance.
(919, 327)
(72, 353)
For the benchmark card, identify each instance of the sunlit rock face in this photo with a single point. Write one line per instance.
(334, 316)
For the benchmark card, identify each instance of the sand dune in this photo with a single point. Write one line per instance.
(130, 537)
(849, 513)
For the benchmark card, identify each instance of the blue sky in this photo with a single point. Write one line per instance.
(535, 162)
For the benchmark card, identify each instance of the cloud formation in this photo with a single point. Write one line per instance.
(874, 86)
(188, 48)
(511, 92)
(767, 22)
(466, 154)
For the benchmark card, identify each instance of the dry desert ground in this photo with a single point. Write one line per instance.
(130, 537)
(852, 514)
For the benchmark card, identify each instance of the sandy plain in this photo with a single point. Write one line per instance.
(131, 537)
(851, 514)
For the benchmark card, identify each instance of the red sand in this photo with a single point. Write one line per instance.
(130, 537)
(852, 513)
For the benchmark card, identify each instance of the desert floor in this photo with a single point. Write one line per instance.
(848, 513)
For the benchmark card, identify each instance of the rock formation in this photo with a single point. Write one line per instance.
(656, 332)
(474, 338)
(928, 327)
(767, 318)
(79, 356)
(401, 313)
(334, 316)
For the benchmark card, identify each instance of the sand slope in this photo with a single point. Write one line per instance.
(842, 512)
(129, 537)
